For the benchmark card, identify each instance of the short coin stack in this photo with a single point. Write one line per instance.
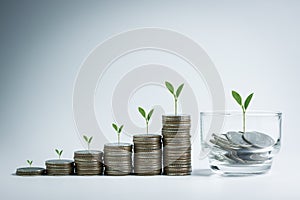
(118, 159)
(147, 154)
(176, 145)
(88, 162)
(59, 167)
(243, 148)
(30, 171)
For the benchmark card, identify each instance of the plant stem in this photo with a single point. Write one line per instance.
(118, 138)
(175, 99)
(147, 126)
(244, 119)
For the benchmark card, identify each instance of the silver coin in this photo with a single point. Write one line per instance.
(186, 124)
(88, 152)
(183, 143)
(176, 117)
(127, 145)
(146, 136)
(88, 166)
(224, 144)
(177, 173)
(117, 154)
(175, 129)
(59, 162)
(148, 173)
(149, 162)
(143, 167)
(157, 147)
(89, 173)
(30, 171)
(237, 138)
(259, 140)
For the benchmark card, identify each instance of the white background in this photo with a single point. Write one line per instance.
(254, 45)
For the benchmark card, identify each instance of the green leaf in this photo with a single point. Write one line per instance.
(57, 151)
(86, 138)
(142, 111)
(237, 97)
(170, 87)
(150, 114)
(115, 127)
(30, 162)
(60, 152)
(120, 129)
(247, 101)
(179, 89)
(90, 140)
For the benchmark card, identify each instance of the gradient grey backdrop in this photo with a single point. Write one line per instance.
(254, 45)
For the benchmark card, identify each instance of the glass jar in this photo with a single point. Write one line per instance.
(230, 150)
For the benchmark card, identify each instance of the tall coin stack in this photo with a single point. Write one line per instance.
(176, 145)
(147, 154)
(59, 167)
(88, 162)
(118, 159)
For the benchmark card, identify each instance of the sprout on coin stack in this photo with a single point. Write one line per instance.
(30, 171)
(118, 156)
(59, 167)
(147, 149)
(118, 130)
(88, 162)
(244, 148)
(176, 139)
(30, 162)
(146, 116)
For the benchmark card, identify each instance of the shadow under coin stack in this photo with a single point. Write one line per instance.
(118, 159)
(59, 167)
(176, 145)
(147, 154)
(88, 162)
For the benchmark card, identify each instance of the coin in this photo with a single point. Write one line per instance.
(30, 171)
(258, 139)
(59, 162)
(237, 138)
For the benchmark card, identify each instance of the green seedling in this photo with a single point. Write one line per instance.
(59, 153)
(118, 130)
(146, 116)
(244, 106)
(176, 94)
(30, 162)
(88, 140)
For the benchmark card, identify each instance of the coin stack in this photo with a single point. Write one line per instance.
(118, 159)
(176, 145)
(88, 162)
(30, 171)
(243, 148)
(59, 167)
(147, 154)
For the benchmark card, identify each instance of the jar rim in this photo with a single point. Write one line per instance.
(236, 112)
